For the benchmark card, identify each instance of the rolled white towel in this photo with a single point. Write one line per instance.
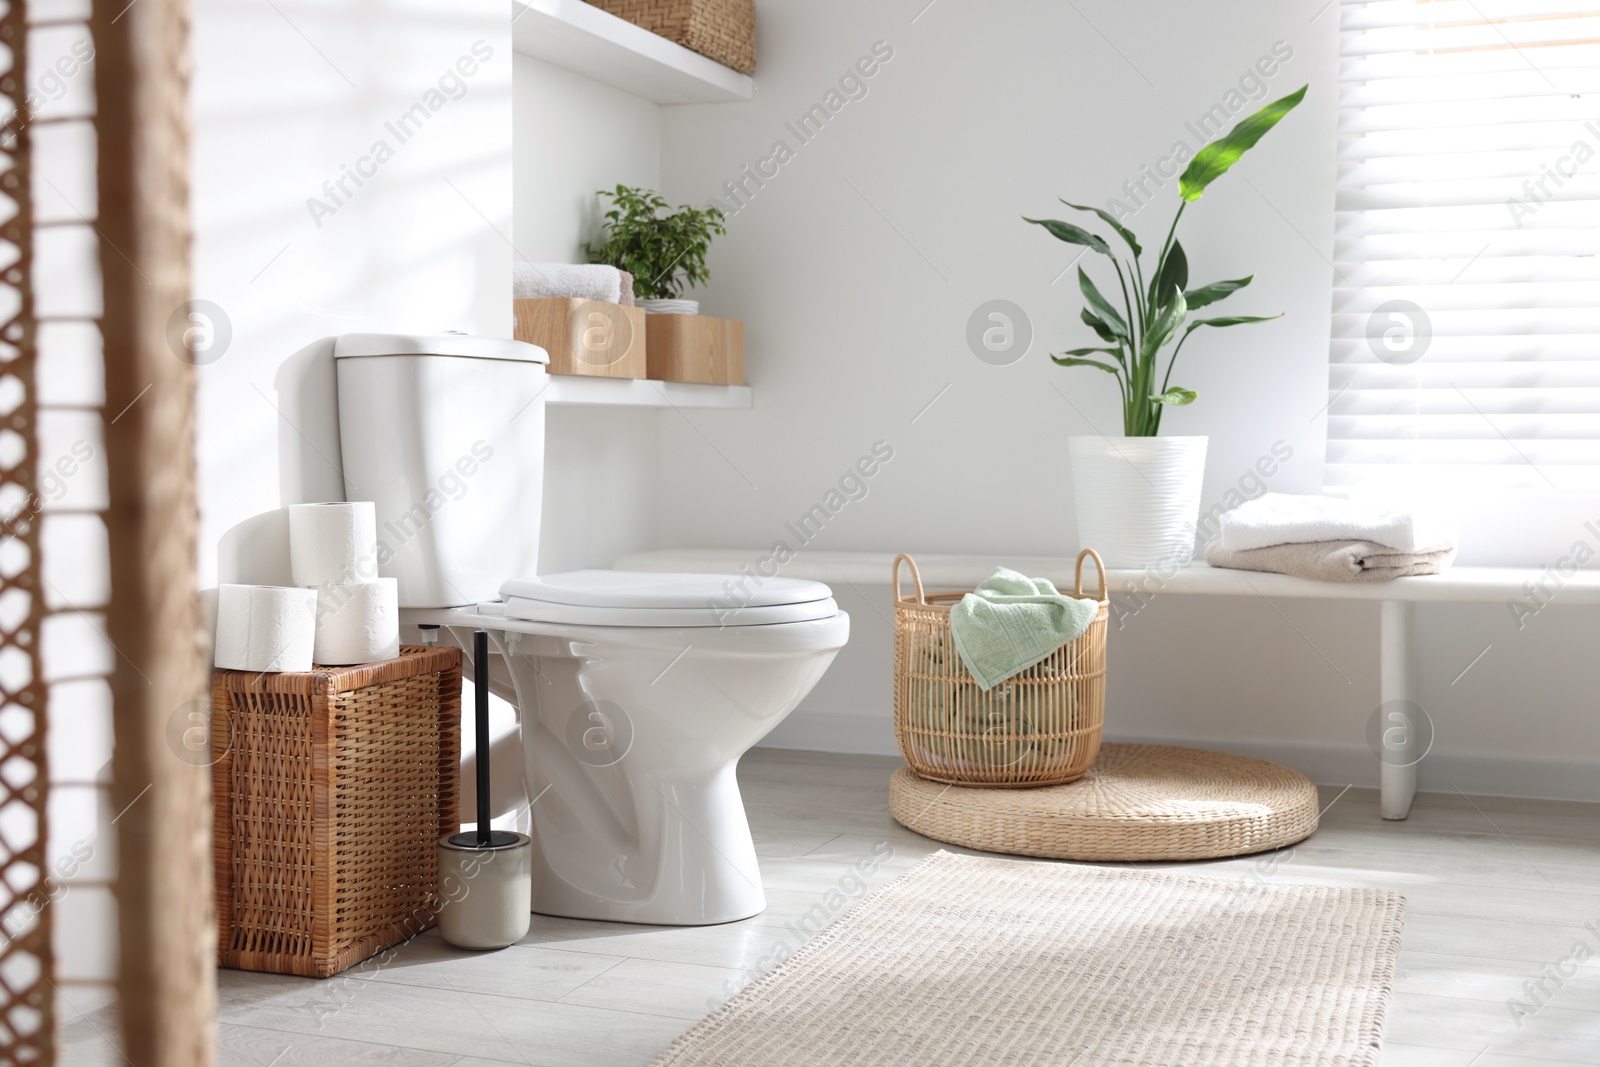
(1285, 518)
(584, 281)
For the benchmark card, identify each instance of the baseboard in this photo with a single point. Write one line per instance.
(1439, 772)
(853, 734)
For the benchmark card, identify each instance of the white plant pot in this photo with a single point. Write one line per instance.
(670, 307)
(1138, 498)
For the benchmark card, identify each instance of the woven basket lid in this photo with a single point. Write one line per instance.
(1138, 802)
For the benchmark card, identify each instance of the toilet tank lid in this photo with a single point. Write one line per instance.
(436, 344)
(643, 589)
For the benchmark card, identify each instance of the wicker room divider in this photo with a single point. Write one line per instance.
(166, 933)
(27, 1002)
(167, 979)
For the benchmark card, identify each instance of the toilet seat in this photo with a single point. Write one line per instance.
(647, 599)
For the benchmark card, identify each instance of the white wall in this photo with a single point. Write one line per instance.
(574, 136)
(285, 97)
(857, 266)
(424, 246)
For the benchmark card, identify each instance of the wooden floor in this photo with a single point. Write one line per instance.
(1501, 892)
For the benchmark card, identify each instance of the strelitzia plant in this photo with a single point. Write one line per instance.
(1155, 315)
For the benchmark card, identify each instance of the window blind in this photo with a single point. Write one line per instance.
(1465, 346)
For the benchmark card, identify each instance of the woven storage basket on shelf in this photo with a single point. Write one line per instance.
(1041, 727)
(331, 789)
(723, 30)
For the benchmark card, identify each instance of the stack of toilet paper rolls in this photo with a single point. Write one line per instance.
(339, 611)
(333, 548)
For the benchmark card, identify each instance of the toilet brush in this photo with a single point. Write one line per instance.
(485, 875)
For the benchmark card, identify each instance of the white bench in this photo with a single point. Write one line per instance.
(1396, 600)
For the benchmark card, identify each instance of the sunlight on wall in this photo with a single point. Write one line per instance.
(352, 172)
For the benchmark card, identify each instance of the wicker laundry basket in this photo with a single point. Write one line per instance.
(1041, 727)
(723, 30)
(331, 789)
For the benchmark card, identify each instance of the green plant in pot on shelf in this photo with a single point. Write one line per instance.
(664, 250)
(1138, 496)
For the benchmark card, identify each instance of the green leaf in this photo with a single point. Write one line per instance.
(1073, 235)
(1210, 294)
(1213, 161)
(1230, 320)
(1111, 220)
(1175, 396)
(1174, 273)
(1100, 328)
(1102, 307)
(1166, 325)
(1068, 361)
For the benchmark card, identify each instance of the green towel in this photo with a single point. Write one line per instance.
(1005, 721)
(1011, 621)
(997, 729)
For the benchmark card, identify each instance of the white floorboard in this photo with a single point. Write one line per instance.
(1500, 892)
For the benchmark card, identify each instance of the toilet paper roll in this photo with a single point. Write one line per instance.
(333, 544)
(265, 628)
(358, 623)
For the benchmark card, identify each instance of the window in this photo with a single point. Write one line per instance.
(1466, 319)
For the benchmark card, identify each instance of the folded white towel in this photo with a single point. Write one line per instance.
(1284, 518)
(585, 281)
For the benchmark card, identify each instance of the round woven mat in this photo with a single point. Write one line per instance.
(1138, 802)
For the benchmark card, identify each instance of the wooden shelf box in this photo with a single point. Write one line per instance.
(695, 348)
(588, 337)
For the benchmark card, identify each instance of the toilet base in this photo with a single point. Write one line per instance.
(631, 737)
(697, 868)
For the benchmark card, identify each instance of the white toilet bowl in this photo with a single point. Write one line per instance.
(637, 693)
(632, 730)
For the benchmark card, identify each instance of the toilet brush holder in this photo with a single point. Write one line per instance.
(485, 891)
(485, 876)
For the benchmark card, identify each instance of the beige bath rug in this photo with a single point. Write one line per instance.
(976, 961)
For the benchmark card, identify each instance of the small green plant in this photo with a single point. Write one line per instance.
(1155, 315)
(662, 252)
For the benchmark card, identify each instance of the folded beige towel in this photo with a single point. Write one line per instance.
(1332, 561)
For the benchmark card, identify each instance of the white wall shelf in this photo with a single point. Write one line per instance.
(597, 44)
(1459, 585)
(1397, 645)
(644, 393)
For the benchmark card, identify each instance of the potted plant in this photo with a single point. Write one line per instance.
(1138, 496)
(663, 252)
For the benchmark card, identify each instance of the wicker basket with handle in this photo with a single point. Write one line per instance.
(1041, 727)
(331, 789)
(723, 30)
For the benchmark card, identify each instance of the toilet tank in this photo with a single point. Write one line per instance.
(445, 435)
